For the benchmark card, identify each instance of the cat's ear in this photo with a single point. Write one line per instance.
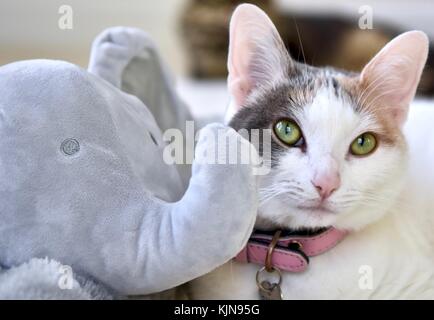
(391, 78)
(257, 56)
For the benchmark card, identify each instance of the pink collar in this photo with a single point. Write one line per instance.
(291, 250)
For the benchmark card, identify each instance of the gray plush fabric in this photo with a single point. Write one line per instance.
(40, 279)
(82, 177)
(128, 59)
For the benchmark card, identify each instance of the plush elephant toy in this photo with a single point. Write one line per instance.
(83, 183)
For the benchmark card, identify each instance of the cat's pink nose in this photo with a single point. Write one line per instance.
(326, 183)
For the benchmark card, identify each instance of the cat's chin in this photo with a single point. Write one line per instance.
(298, 219)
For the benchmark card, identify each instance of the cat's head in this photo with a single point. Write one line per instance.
(338, 152)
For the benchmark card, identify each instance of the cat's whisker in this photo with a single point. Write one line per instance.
(301, 43)
(277, 189)
(268, 193)
(372, 102)
(365, 91)
(267, 198)
(372, 86)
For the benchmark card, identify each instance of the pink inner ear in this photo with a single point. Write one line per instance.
(392, 76)
(239, 90)
(238, 58)
(241, 48)
(255, 52)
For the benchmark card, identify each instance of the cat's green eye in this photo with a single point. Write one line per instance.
(363, 144)
(288, 132)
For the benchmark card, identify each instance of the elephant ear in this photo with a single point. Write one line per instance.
(129, 60)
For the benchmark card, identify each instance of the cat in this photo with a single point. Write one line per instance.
(345, 153)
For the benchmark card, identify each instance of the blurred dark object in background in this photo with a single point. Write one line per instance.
(333, 41)
(206, 28)
(339, 42)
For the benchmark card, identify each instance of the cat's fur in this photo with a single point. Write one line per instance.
(385, 199)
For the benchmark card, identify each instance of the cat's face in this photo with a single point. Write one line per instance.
(337, 152)
(322, 174)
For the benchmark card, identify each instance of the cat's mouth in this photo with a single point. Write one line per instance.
(317, 209)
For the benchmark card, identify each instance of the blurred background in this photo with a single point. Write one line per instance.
(193, 34)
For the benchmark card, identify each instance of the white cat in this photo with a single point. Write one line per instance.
(344, 155)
